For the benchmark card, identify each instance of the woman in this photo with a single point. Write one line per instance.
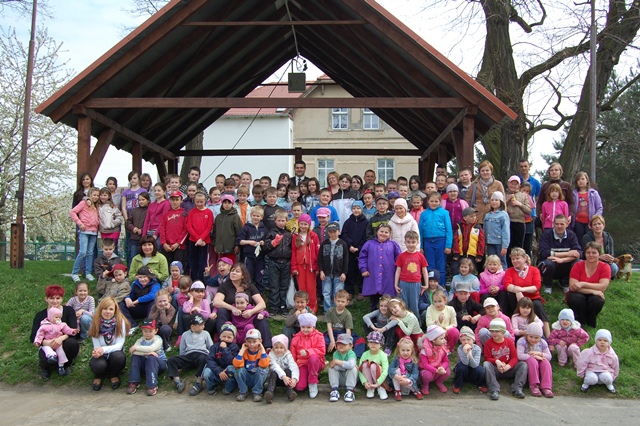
(333, 182)
(588, 281)
(482, 188)
(149, 256)
(401, 222)
(53, 296)
(597, 234)
(238, 282)
(524, 280)
(555, 176)
(108, 330)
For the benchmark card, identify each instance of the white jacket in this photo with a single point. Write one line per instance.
(399, 228)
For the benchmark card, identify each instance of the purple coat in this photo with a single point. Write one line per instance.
(595, 204)
(380, 260)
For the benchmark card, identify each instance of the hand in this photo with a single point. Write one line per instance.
(466, 318)
(447, 251)
(494, 289)
(175, 326)
(207, 269)
(294, 273)
(322, 276)
(563, 343)
(36, 344)
(246, 313)
(152, 354)
(353, 249)
(365, 274)
(478, 259)
(332, 363)
(82, 227)
(303, 353)
(236, 312)
(455, 258)
(331, 347)
(466, 348)
(195, 309)
(132, 349)
(503, 252)
(128, 302)
(343, 277)
(174, 246)
(276, 240)
(223, 345)
(292, 383)
(97, 352)
(475, 319)
(397, 287)
(166, 247)
(260, 316)
(223, 374)
(79, 313)
(441, 370)
(441, 318)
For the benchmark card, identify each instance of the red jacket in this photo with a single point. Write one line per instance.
(173, 228)
(199, 225)
(532, 279)
(313, 343)
(477, 240)
(155, 212)
(305, 256)
(505, 352)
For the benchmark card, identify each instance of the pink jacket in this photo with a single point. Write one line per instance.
(575, 334)
(82, 214)
(437, 357)
(49, 330)
(520, 324)
(313, 343)
(485, 320)
(487, 279)
(593, 361)
(551, 209)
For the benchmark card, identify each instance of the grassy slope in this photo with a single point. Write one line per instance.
(23, 295)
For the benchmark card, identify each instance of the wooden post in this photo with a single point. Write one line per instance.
(172, 166)
(426, 168)
(84, 144)
(468, 140)
(443, 156)
(161, 167)
(136, 154)
(298, 154)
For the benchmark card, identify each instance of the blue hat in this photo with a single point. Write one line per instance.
(434, 275)
(604, 334)
(566, 314)
(357, 203)
(393, 194)
(178, 264)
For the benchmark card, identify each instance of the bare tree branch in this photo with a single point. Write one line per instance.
(608, 105)
(515, 17)
(563, 118)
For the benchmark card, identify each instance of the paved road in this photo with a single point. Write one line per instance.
(32, 405)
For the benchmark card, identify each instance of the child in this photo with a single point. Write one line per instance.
(434, 360)
(308, 350)
(437, 235)
(374, 366)
(198, 303)
(226, 228)
(369, 209)
(567, 337)
(281, 189)
(403, 370)
(291, 324)
(377, 264)
(213, 204)
(587, 204)
(282, 369)
(296, 212)
(491, 312)
(379, 320)
(252, 367)
(188, 202)
(115, 284)
(312, 199)
(416, 207)
(468, 241)
(411, 276)
(156, 212)
(445, 317)
(135, 222)
(339, 320)
(257, 193)
(501, 361)
(333, 264)
(599, 364)
(212, 283)
(468, 311)
(270, 208)
(107, 260)
(304, 259)
(381, 217)
(199, 226)
(219, 367)
(353, 233)
(194, 348)
(492, 281)
(52, 327)
(426, 296)
(173, 229)
(323, 202)
(408, 324)
(524, 316)
(535, 352)
(454, 205)
(85, 215)
(109, 216)
(468, 368)
(466, 269)
(343, 369)
(277, 247)
(242, 206)
(242, 322)
(143, 293)
(147, 358)
(163, 314)
(496, 228)
(554, 205)
(322, 216)
(175, 273)
(251, 236)
(529, 219)
(84, 307)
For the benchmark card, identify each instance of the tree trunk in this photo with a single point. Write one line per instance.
(195, 143)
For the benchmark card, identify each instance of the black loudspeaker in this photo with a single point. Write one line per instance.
(297, 82)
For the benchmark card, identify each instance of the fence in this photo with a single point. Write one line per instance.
(56, 250)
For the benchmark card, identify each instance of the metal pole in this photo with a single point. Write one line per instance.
(593, 84)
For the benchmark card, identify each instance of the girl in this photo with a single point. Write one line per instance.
(308, 350)
(304, 259)
(110, 217)
(226, 228)
(52, 328)
(213, 283)
(403, 370)
(108, 330)
(175, 273)
(567, 337)
(587, 204)
(466, 276)
(145, 183)
(199, 225)
(354, 234)
(156, 211)
(402, 222)
(414, 187)
(85, 215)
(437, 235)
(84, 306)
(599, 364)
(434, 359)
(282, 368)
(554, 205)
(163, 313)
(374, 366)
(535, 352)
(356, 186)
(198, 304)
(304, 192)
(134, 224)
(112, 185)
(469, 367)
(443, 316)
(454, 205)
(555, 176)
(416, 207)
(369, 209)
(85, 183)
(529, 219)
(282, 194)
(377, 263)
(312, 200)
(128, 202)
(284, 179)
(408, 324)
(380, 321)
(244, 321)
(214, 201)
(523, 317)
(496, 229)
(492, 281)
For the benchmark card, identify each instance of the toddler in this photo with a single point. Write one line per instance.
(379, 320)
(599, 364)
(535, 352)
(52, 327)
(84, 307)
(252, 366)
(219, 363)
(343, 369)
(523, 317)
(244, 323)
(147, 358)
(282, 369)
(374, 366)
(468, 368)
(308, 350)
(434, 359)
(501, 361)
(567, 337)
(492, 281)
(445, 317)
(403, 370)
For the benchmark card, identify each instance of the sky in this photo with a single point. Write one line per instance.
(89, 28)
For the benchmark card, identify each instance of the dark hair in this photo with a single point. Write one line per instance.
(108, 242)
(115, 181)
(300, 162)
(245, 282)
(195, 169)
(145, 195)
(131, 174)
(415, 178)
(147, 239)
(229, 182)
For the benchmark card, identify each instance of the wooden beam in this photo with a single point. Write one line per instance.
(298, 154)
(272, 23)
(427, 167)
(209, 103)
(294, 151)
(161, 167)
(445, 133)
(100, 150)
(468, 140)
(84, 144)
(123, 131)
(136, 157)
(172, 166)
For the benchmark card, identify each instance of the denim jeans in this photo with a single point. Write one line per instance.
(86, 245)
(150, 366)
(85, 324)
(255, 381)
(330, 287)
(213, 380)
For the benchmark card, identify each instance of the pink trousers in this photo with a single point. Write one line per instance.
(564, 352)
(540, 373)
(371, 371)
(309, 372)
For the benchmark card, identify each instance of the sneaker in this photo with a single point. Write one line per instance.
(349, 396)
(226, 392)
(180, 385)
(75, 278)
(166, 351)
(398, 395)
(371, 393)
(195, 389)
(535, 391)
(291, 394)
(268, 397)
(313, 390)
(132, 331)
(584, 388)
(611, 389)
(418, 395)
(483, 389)
(382, 393)
(241, 397)
(52, 359)
(547, 290)
(152, 391)
(442, 388)
(212, 391)
(334, 396)
(90, 277)
(62, 371)
(518, 393)
(456, 390)
(494, 396)
(132, 388)
(565, 289)
(257, 397)
(45, 373)
(425, 390)
(548, 393)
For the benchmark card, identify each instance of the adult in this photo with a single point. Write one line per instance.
(523, 280)
(370, 177)
(558, 250)
(555, 176)
(518, 207)
(415, 187)
(524, 167)
(238, 281)
(588, 281)
(142, 297)
(480, 191)
(333, 182)
(148, 256)
(53, 296)
(402, 222)
(108, 331)
(299, 171)
(596, 233)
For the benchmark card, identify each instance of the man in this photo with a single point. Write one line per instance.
(559, 249)
(441, 170)
(524, 166)
(194, 176)
(464, 182)
(370, 177)
(299, 169)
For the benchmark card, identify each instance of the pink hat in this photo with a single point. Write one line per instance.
(280, 338)
(323, 212)
(176, 194)
(227, 197)
(305, 218)
(401, 202)
(514, 177)
(226, 260)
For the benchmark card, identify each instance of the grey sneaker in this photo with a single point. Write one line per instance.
(268, 397)
(180, 385)
(75, 278)
(495, 395)
(90, 277)
(349, 396)
(241, 397)
(518, 393)
(257, 397)
(334, 396)
(547, 290)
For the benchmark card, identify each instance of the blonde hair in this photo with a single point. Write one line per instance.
(517, 251)
(439, 294)
(398, 302)
(408, 342)
(492, 258)
(163, 292)
(94, 330)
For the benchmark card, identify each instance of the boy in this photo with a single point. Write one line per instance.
(291, 324)
(257, 192)
(403, 191)
(173, 229)
(220, 182)
(271, 197)
(293, 194)
(324, 199)
(430, 187)
(468, 241)
(296, 211)
(242, 206)
(230, 187)
(194, 348)
(117, 287)
(199, 226)
(105, 262)
(343, 369)
(252, 367)
(220, 362)
(491, 312)
(501, 362)
(194, 176)
(333, 264)
(323, 220)
(354, 234)
(164, 314)
(468, 368)
(369, 209)
(381, 216)
(411, 277)
(339, 320)
(464, 182)
(148, 358)
(172, 182)
(265, 182)
(392, 197)
(426, 295)
(277, 247)
(226, 229)
(379, 190)
(245, 179)
(468, 311)
(250, 238)
(392, 186)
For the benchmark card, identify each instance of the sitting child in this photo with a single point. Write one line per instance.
(491, 312)
(212, 283)
(403, 370)
(492, 281)
(175, 273)
(194, 348)
(301, 306)
(501, 361)
(252, 366)
(444, 316)
(567, 337)
(379, 320)
(52, 327)
(599, 364)
(434, 360)
(426, 296)
(343, 369)
(374, 366)
(163, 313)
(115, 284)
(535, 352)
(523, 317)
(220, 367)
(466, 276)
(468, 311)
(244, 323)
(408, 324)
(147, 358)
(468, 368)
(84, 307)
(339, 319)
(282, 369)
(308, 350)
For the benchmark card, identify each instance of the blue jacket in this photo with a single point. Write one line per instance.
(220, 358)
(354, 231)
(145, 294)
(436, 224)
(250, 232)
(411, 367)
(497, 228)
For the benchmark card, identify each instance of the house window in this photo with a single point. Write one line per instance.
(324, 168)
(370, 121)
(339, 118)
(386, 169)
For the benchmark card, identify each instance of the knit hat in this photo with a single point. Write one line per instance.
(345, 339)
(497, 196)
(498, 324)
(197, 319)
(357, 203)
(401, 202)
(244, 296)
(434, 331)
(393, 194)
(323, 212)
(468, 211)
(197, 285)
(305, 218)
(463, 286)
(534, 329)
(489, 301)
(333, 226)
(280, 338)
(226, 260)
(227, 326)
(468, 332)
(52, 312)
(307, 320)
(254, 333)
(604, 334)
(452, 187)
(375, 337)
(434, 275)
(178, 264)
(566, 314)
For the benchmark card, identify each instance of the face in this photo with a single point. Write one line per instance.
(108, 251)
(602, 344)
(414, 185)
(378, 191)
(53, 301)
(405, 351)
(175, 202)
(357, 211)
(300, 303)
(396, 309)
(143, 202)
(493, 267)
(148, 333)
(355, 184)
(533, 340)
(560, 225)
(462, 296)
(284, 180)
(383, 234)
(453, 195)
(441, 181)
(440, 340)
(158, 192)
(265, 183)
(95, 196)
(312, 187)
(272, 199)
(514, 185)
(227, 205)
(342, 348)
(303, 189)
(323, 220)
(197, 328)
(194, 175)
(525, 311)
(145, 182)
(341, 302)
(565, 323)
(434, 203)
(241, 303)
(303, 227)
(392, 187)
(597, 226)
(57, 319)
(582, 182)
(257, 197)
(226, 336)
(367, 199)
(253, 344)
(174, 184)
(554, 195)
(82, 292)
(236, 179)
(230, 188)
(104, 197)
(383, 306)
(518, 261)
(147, 249)
(430, 187)
(143, 280)
(199, 201)
(162, 302)
(224, 268)
(86, 181)
(524, 166)
(471, 218)
(332, 180)
(220, 182)
(299, 169)
(135, 180)
(255, 217)
(555, 173)
(591, 255)
(374, 347)
(485, 172)
(119, 276)
(175, 272)
(466, 340)
(235, 274)
(245, 180)
(433, 284)
(403, 191)
(439, 303)
(184, 290)
(400, 211)
(282, 191)
(345, 184)
(108, 311)
(281, 222)
(324, 198)
(294, 195)
(191, 191)
(416, 203)
(370, 177)
(464, 269)
(306, 329)
(279, 349)
(411, 244)
(465, 177)
(498, 336)
(491, 310)
(495, 204)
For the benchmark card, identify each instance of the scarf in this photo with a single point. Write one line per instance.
(485, 189)
(522, 273)
(107, 329)
(403, 364)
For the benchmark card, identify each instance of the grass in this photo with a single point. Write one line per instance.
(23, 296)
